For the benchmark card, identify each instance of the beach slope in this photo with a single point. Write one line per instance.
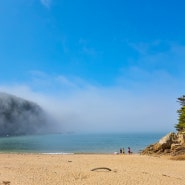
(42, 169)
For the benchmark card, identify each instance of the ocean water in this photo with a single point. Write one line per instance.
(78, 143)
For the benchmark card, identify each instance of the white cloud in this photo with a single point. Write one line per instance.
(159, 66)
(100, 109)
(144, 98)
(65, 81)
(46, 3)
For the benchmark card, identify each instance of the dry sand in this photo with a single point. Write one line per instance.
(34, 169)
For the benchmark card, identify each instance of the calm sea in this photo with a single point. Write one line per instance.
(78, 143)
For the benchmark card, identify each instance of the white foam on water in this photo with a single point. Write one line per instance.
(58, 153)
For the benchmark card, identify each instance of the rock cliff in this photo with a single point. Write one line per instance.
(172, 143)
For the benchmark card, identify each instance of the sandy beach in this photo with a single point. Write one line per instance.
(42, 169)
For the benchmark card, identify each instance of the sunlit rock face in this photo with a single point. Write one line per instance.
(172, 143)
(21, 117)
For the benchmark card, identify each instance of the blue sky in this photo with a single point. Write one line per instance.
(96, 65)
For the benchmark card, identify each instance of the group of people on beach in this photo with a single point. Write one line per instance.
(122, 151)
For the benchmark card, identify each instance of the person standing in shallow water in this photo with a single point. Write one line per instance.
(120, 151)
(129, 151)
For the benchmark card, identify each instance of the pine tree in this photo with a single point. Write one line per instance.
(180, 126)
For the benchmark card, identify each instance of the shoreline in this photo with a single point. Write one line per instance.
(134, 169)
(69, 153)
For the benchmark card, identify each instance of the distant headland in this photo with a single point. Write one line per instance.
(21, 117)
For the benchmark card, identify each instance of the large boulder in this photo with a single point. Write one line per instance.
(171, 143)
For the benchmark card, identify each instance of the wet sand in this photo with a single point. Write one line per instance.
(41, 169)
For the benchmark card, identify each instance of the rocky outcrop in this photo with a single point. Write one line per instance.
(172, 143)
(21, 117)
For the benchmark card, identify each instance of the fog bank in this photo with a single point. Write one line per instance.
(22, 117)
(105, 110)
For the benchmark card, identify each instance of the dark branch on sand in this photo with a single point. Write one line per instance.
(101, 168)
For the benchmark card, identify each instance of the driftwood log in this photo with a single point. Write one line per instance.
(101, 168)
